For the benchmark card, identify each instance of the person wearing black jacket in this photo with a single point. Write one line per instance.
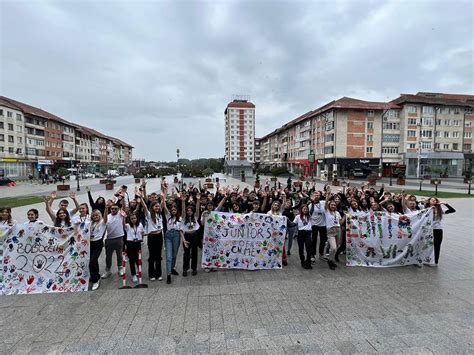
(99, 203)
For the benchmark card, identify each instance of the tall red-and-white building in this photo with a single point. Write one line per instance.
(240, 129)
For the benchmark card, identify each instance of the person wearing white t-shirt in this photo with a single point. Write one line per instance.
(82, 218)
(318, 223)
(97, 229)
(189, 227)
(333, 220)
(173, 236)
(64, 204)
(438, 212)
(154, 224)
(135, 232)
(114, 242)
(276, 210)
(303, 223)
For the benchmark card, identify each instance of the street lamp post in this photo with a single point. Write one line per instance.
(421, 182)
(78, 166)
(436, 183)
(344, 184)
(469, 188)
(391, 174)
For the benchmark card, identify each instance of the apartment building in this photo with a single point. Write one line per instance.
(240, 130)
(257, 150)
(38, 142)
(432, 129)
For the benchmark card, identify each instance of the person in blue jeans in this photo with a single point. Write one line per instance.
(173, 236)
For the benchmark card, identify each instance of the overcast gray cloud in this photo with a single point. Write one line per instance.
(158, 74)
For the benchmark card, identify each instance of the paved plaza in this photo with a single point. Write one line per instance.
(350, 310)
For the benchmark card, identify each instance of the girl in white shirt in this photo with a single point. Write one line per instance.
(155, 238)
(82, 218)
(97, 228)
(173, 236)
(189, 227)
(135, 231)
(277, 210)
(303, 222)
(438, 213)
(333, 227)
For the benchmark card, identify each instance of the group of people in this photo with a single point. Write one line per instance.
(175, 217)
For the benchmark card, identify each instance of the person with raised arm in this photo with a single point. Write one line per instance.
(64, 204)
(318, 225)
(97, 229)
(173, 236)
(303, 223)
(135, 232)
(154, 228)
(115, 236)
(276, 210)
(334, 220)
(438, 212)
(189, 227)
(98, 204)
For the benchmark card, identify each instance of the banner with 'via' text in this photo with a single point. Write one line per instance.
(38, 258)
(243, 241)
(382, 239)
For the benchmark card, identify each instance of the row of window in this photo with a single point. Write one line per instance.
(428, 145)
(19, 117)
(429, 110)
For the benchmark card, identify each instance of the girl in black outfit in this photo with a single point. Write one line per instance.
(438, 213)
(99, 204)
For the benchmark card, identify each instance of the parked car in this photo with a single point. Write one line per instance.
(4, 181)
(89, 175)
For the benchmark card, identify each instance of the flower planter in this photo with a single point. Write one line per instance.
(373, 182)
(137, 180)
(336, 183)
(297, 184)
(209, 185)
(274, 179)
(351, 177)
(109, 186)
(63, 187)
(208, 180)
(400, 181)
(106, 181)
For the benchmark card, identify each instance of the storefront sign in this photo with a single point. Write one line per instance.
(8, 160)
(364, 161)
(45, 162)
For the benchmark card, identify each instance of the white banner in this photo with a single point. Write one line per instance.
(38, 258)
(243, 241)
(382, 239)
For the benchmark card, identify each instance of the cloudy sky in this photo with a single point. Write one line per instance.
(159, 74)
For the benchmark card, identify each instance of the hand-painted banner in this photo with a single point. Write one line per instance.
(40, 259)
(382, 239)
(243, 241)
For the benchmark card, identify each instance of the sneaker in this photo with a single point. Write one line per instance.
(313, 259)
(135, 278)
(106, 274)
(323, 258)
(95, 285)
(122, 271)
(289, 253)
(152, 279)
(285, 263)
(432, 265)
(168, 279)
(207, 270)
(418, 265)
(126, 258)
(185, 273)
(174, 272)
(194, 273)
(336, 257)
(160, 278)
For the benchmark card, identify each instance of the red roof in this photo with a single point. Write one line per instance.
(436, 98)
(31, 110)
(342, 103)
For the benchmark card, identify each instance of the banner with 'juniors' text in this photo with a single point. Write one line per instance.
(382, 239)
(38, 258)
(243, 241)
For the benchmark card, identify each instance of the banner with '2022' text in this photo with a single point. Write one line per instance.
(243, 241)
(382, 239)
(38, 258)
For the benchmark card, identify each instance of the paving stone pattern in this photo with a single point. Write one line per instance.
(293, 311)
